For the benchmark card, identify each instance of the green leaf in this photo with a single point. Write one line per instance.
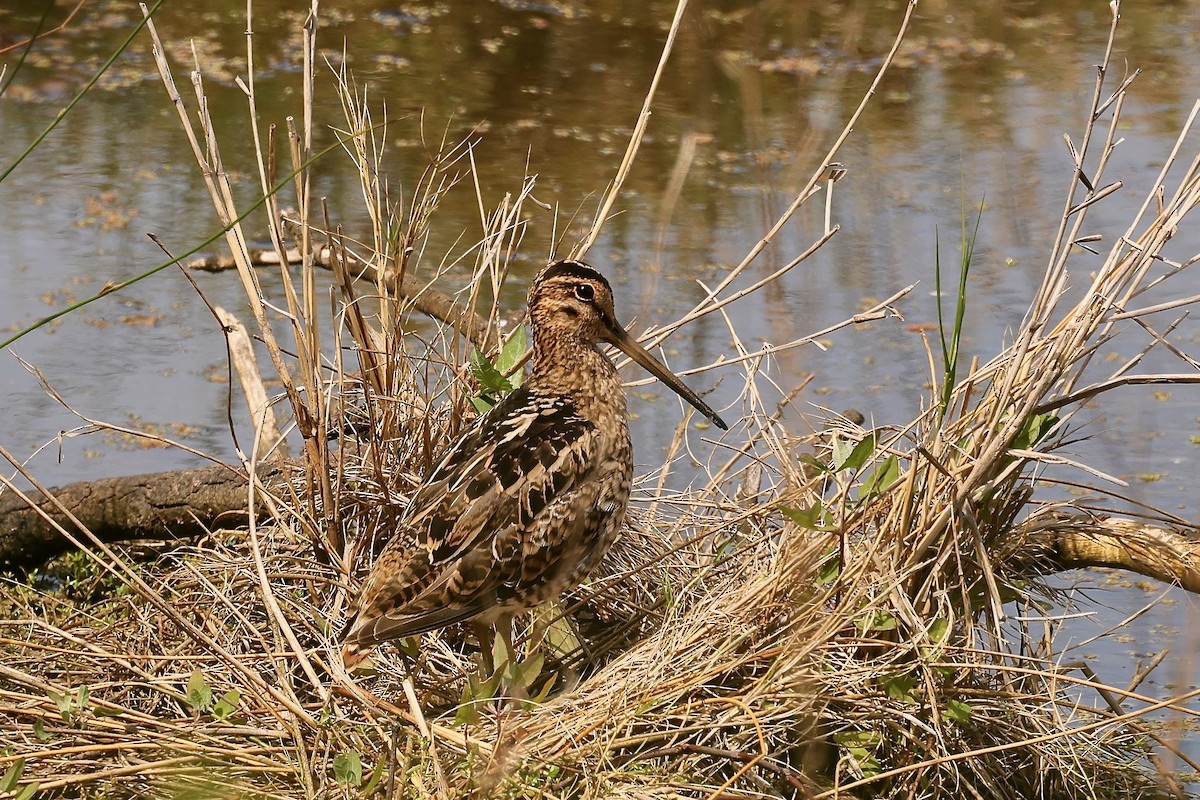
(867, 763)
(491, 381)
(878, 620)
(958, 711)
(899, 687)
(500, 655)
(12, 776)
(939, 633)
(524, 673)
(1035, 429)
(856, 457)
(65, 703)
(475, 692)
(951, 334)
(842, 448)
(198, 693)
(559, 635)
(29, 791)
(481, 405)
(812, 517)
(227, 704)
(861, 452)
(347, 768)
(105, 711)
(468, 709)
(830, 568)
(881, 478)
(809, 460)
(510, 356)
(858, 738)
(82, 696)
(374, 780)
(39, 730)
(547, 687)
(859, 746)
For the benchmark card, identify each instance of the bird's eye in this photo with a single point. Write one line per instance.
(585, 292)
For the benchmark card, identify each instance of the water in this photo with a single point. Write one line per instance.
(973, 113)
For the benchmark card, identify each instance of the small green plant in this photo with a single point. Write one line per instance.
(900, 686)
(495, 380)
(12, 779)
(814, 517)
(512, 677)
(198, 693)
(860, 748)
(77, 578)
(1035, 430)
(348, 769)
(199, 697)
(880, 479)
(224, 708)
(847, 458)
(958, 711)
(71, 707)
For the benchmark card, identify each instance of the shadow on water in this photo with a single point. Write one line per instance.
(973, 113)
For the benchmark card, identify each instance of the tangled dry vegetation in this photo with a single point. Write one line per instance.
(824, 617)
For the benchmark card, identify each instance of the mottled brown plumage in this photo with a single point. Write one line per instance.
(527, 502)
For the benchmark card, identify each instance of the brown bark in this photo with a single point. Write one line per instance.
(189, 503)
(182, 504)
(1059, 541)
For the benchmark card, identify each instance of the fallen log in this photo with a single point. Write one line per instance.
(189, 503)
(182, 504)
(1057, 541)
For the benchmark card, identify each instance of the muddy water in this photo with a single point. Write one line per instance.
(973, 114)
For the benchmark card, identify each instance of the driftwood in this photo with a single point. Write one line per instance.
(241, 355)
(1058, 541)
(182, 504)
(189, 503)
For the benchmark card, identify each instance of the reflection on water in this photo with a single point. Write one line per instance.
(973, 114)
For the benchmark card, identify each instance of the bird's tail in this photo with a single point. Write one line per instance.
(355, 648)
(354, 653)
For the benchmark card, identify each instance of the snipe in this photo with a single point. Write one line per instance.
(527, 502)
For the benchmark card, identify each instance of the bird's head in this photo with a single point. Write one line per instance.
(571, 301)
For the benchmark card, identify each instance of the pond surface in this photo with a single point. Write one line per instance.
(972, 114)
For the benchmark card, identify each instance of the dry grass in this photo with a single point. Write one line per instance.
(824, 626)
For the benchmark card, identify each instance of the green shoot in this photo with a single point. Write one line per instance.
(952, 338)
(498, 379)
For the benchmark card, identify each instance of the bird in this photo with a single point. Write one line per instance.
(526, 503)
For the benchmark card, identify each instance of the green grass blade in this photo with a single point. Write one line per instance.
(41, 26)
(951, 339)
(109, 288)
(87, 87)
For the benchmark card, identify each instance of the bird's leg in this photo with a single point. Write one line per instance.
(542, 619)
(504, 627)
(487, 645)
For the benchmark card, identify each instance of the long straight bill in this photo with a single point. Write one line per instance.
(629, 346)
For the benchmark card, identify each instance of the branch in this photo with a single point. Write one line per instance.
(424, 298)
(1056, 541)
(182, 504)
